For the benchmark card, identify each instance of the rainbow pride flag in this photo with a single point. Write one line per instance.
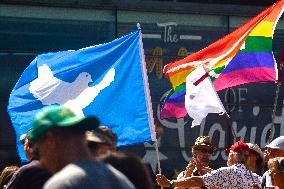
(241, 57)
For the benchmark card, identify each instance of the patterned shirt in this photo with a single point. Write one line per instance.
(234, 177)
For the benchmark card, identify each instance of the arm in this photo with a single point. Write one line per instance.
(180, 176)
(187, 172)
(185, 183)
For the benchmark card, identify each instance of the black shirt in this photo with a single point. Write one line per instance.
(31, 176)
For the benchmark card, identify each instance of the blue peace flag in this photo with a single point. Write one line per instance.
(108, 81)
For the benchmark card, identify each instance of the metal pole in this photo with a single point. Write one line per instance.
(230, 125)
(158, 158)
(279, 80)
(272, 129)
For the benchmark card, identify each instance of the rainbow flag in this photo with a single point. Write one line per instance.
(241, 57)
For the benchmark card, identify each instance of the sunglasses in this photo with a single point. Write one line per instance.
(206, 151)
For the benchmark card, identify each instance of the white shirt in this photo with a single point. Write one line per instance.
(234, 177)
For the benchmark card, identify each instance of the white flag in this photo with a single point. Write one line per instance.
(201, 97)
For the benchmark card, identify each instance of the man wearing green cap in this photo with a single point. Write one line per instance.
(60, 135)
(32, 175)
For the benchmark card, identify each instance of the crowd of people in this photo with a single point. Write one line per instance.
(67, 151)
(244, 170)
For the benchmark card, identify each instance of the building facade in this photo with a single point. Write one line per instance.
(171, 30)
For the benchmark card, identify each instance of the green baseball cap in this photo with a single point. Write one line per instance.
(59, 116)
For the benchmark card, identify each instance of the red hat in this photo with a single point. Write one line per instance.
(239, 147)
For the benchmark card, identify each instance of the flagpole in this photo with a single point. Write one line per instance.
(272, 128)
(230, 124)
(227, 115)
(146, 87)
(148, 99)
(158, 157)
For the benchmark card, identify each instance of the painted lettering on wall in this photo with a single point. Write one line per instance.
(169, 35)
(241, 129)
(155, 60)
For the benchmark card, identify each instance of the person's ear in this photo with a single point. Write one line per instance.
(26, 146)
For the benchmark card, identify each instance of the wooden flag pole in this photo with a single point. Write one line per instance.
(279, 79)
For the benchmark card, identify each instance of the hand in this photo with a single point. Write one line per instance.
(204, 170)
(189, 169)
(255, 186)
(162, 180)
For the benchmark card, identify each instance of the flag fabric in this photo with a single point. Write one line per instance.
(201, 97)
(241, 57)
(108, 81)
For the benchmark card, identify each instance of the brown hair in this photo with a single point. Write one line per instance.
(276, 163)
(276, 166)
(138, 174)
(7, 174)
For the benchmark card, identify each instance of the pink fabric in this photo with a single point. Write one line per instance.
(244, 76)
(171, 110)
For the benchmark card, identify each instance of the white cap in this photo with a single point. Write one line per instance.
(23, 138)
(255, 148)
(277, 143)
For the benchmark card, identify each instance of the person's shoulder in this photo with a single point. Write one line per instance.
(257, 177)
(266, 173)
(224, 169)
(33, 168)
(119, 178)
(30, 165)
(79, 175)
(63, 178)
(266, 176)
(71, 170)
(29, 175)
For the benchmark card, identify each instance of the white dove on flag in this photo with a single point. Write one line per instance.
(76, 95)
(201, 97)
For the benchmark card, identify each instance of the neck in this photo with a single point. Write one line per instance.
(66, 152)
(251, 167)
(76, 154)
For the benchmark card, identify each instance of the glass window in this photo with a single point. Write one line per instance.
(51, 29)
